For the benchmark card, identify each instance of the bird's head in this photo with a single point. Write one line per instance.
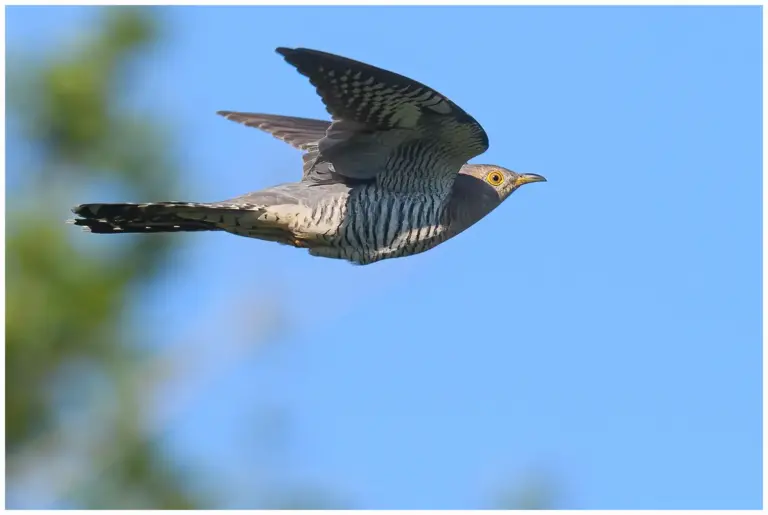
(499, 180)
(479, 189)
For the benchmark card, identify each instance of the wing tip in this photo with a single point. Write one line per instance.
(235, 116)
(285, 51)
(294, 56)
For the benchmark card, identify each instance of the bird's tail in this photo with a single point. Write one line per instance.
(145, 218)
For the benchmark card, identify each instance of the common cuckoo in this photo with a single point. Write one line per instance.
(387, 177)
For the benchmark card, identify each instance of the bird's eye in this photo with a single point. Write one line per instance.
(494, 178)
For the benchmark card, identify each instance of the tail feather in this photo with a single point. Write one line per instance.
(122, 218)
(103, 227)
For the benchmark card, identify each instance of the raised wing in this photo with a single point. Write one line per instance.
(388, 128)
(297, 132)
(301, 133)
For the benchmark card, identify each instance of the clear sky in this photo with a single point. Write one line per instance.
(603, 327)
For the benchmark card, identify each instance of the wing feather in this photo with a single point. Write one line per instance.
(381, 118)
(300, 133)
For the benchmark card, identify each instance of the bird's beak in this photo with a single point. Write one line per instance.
(525, 178)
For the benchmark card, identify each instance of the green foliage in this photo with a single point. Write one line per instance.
(65, 302)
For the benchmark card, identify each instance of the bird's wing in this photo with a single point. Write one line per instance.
(302, 133)
(387, 127)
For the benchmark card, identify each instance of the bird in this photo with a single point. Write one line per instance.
(387, 177)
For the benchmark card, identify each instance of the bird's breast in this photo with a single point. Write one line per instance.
(378, 222)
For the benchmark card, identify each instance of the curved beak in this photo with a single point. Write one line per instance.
(525, 178)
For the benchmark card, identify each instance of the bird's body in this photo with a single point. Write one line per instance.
(387, 178)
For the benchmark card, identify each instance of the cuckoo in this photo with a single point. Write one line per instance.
(386, 177)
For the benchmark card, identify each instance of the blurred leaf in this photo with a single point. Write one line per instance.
(64, 304)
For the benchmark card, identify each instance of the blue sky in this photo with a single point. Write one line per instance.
(603, 327)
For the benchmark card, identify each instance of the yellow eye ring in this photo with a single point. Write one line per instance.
(495, 178)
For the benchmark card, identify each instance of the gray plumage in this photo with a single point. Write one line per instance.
(387, 177)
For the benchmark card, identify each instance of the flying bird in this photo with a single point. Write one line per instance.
(386, 177)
